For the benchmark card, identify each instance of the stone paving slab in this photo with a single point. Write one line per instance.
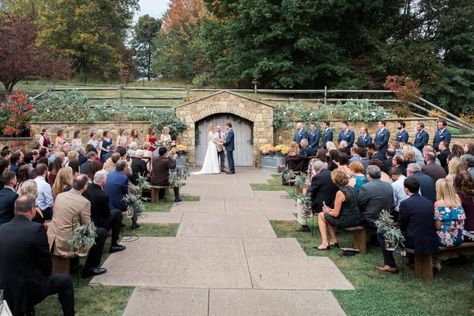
(271, 195)
(272, 247)
(201, 207)
(225, 225)
(280, 216)
(296, 272)
(178, 262)
(172, 302)
(273, 303)
(161, 217)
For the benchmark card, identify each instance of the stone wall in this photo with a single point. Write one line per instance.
(259, 113)
(284, 137)
(86, 128)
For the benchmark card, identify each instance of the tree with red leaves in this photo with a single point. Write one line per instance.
(21, 56)
(15, 115)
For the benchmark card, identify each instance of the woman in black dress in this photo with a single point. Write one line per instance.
(344, 214)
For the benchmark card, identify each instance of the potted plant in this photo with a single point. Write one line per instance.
(83, 239)
(268, 159)
(134, 204)
(392, 233)
(303, 206)
(181, 151)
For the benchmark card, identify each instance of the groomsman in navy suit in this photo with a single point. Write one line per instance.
(229, 146)
(422, 137)
(328, 134)
(314, 136)
(382, 137)
(442, 134)
(364, 138)
(402, 135)
(300, 133)
(347, 135)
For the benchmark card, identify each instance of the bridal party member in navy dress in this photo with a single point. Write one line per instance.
(105, 146)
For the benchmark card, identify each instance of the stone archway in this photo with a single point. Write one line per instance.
(260, 114)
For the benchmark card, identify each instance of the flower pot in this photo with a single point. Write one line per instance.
(82, 251)
(271, 162)
(389, 246)
(181, 162)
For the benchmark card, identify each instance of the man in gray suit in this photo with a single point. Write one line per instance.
(374, 196)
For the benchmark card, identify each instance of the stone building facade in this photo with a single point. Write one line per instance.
(225, 102)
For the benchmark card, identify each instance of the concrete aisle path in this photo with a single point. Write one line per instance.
(226, 259)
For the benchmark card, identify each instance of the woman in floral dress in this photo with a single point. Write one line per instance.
(448, 214)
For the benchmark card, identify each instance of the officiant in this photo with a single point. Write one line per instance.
(220, 136)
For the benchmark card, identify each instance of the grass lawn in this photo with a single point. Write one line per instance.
(376, 293)
(274, 184)
(104, 300)
(165, 206)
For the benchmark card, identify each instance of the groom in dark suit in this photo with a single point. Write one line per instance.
(229, 148)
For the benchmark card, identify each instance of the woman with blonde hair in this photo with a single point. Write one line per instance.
(211, 160)
(134, 139)
(30, 187)
(455, 166)
(165, 137)
(63, 181)
(449, 215)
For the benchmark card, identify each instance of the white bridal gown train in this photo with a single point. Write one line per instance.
(211, 161)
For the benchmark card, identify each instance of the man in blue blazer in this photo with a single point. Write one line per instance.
(300, 133)
(229, 146)
(327, 133)
(427, 184)
(314, 136)
(422, 137)
(382, 137)
(347, 135)
(402, 135)
(8, 197)
(364, 138)
(442, 134)
(416, 224)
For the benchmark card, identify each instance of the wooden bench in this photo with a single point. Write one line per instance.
(424, 264)
(359, 237)
(155, 190)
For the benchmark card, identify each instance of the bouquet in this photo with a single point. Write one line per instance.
(181, 150)
(267, 149)
(83, 239)
(134, 205)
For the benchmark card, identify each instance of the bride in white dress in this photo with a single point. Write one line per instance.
(211, 161)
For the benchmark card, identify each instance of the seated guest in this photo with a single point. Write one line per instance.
(8, 197)
(372, 153)
(160, 172)
(320, 156)
(456, 150)
(399, 163)
(138, 166)
(464, 186)
(358, 179)
(387, 163)
(427, 184)
(343, 164)
(344, 214)
(24, 173)
(25, 264)
(15, 162)
(101, 214)
(72, 209)
(333, 160)
(431, 168)
(330, 146)
(416, 224)
(455, 166)
(398, 187)
(63, 181)
(343, 148)
(45, 199)
(355, 154)
(84, 168)
(322, 188)
(383, 175)
(116, 188)
(449, 215)
(374, 196)
(364, 138)
(444, 154)
(304, 153)
(94, 166)
(30, 187)
(469, 162)
(109, 164)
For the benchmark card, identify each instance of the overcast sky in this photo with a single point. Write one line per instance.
(154, 8)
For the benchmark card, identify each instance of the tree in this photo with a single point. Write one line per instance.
(22, 57)
(143, 44)
(91, 32)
